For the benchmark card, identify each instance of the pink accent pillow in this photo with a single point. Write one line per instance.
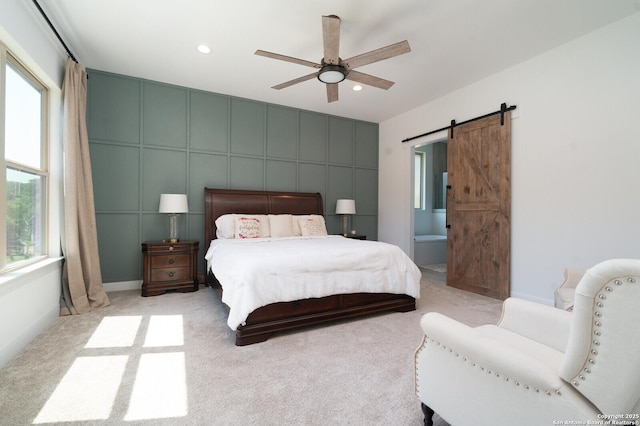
(247, 227)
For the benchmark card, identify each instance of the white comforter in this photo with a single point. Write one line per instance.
(257, 272)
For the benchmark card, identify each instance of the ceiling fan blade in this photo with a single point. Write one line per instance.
(295, 81)
(331, 39)
(332, 92)
(369, 80)
(377, 55)
(287, 59)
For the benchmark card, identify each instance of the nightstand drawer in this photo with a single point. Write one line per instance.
(170, 261)
(170, 274)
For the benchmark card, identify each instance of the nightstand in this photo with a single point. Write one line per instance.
(169, 266)
(356, 236)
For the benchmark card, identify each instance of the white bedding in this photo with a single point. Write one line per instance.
(261, 271)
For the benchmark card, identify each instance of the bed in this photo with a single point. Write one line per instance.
(267, 319)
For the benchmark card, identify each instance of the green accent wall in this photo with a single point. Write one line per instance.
(147, 138)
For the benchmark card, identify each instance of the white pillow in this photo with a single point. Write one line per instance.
(296, 225)
(281, 225)
(296, 222)
(312, 225)
(226, 226)
(248, 226)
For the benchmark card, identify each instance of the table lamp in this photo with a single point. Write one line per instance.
(346, 208)
(173, 204)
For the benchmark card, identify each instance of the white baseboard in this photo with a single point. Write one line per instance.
(122, 286)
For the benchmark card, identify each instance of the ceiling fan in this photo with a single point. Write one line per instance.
(334, 69)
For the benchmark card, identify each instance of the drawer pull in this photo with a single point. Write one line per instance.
(170, 248)
(171, 260)
(171, 274)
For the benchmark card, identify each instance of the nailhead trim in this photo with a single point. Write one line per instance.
(483, 369)
(597, 323)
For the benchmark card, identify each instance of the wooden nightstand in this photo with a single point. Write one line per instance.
(169, 266)
(356, 236)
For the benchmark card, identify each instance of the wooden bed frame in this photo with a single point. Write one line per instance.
(265, 321)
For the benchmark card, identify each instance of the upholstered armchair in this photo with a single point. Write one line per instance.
(540, 364)
(564, 294)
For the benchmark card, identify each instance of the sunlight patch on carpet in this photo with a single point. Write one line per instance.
(164, 330)
(86, 392)
(115, 332)
(160, 388)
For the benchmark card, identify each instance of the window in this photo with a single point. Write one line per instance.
(24, 188)
(419, 183)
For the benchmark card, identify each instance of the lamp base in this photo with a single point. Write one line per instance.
(346, 219)
(173, 228)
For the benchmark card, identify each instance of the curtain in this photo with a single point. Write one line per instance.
(82, 288)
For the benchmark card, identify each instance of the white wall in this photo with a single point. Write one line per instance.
(575, 156)
(29, 298)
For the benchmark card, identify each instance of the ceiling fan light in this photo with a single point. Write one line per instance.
(203, 48)
(331, 74)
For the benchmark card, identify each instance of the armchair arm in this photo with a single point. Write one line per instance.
(542, 323)
(484, 352)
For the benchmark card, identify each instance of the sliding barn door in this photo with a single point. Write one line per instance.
(479, 207)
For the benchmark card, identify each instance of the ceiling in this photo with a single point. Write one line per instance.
(453, 43)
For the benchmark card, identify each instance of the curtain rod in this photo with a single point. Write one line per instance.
(46, 18)
(503, 108)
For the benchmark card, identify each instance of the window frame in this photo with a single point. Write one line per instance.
(419, 177)
(8, 58)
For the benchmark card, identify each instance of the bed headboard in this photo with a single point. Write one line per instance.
(223, 201)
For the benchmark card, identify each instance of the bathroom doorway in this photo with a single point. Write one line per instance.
(430, 233)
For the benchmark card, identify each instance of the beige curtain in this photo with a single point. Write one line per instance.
(81, 276)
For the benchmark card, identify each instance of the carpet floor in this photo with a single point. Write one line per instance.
(171, 359)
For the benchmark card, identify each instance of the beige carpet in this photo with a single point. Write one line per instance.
(170, 360)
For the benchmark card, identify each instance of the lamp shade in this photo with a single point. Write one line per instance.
(173, 203)
(346, 207)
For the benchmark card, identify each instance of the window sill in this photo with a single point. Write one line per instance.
(13, 279)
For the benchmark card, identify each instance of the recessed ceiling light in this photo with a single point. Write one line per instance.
(203, 48)
(357, 88)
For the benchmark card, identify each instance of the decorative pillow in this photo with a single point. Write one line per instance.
(281, 225)
(312, 225)
(247, 226)
(226, 226)
(296, 225)
(296, 222)
(265, 228)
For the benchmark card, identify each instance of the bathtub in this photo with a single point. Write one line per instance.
(429, 249)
